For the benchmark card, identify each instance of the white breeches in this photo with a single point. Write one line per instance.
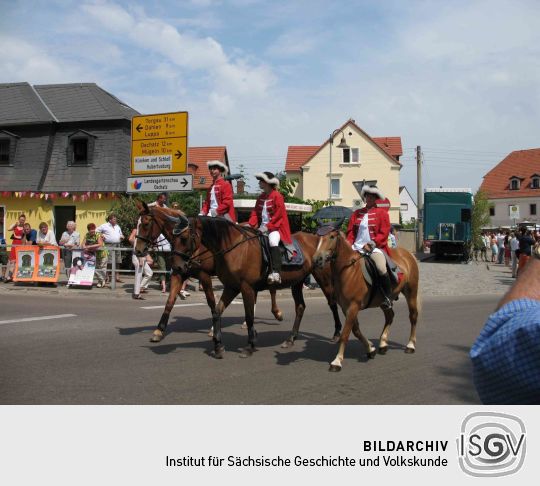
(274, 238)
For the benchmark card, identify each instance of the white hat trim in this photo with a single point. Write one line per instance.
(264, 177)
(218, 163)
(371, 190)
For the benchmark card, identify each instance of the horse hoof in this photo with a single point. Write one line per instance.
(334, 368)
(211, 333)
(244, 326)
(335, 338)
(372, 354)
(218, 353)
(279, 316)
(409, 350)
(287, 344)
(247, 352)
(157, 336)
(383, 350)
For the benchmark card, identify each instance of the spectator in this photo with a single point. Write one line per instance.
(112, 237)
(30, 235)
(4, 259)
(162, 250)
(45, 236)
(500, 246)
(494, 248)
(392, 237)
(505, 357)
(17, 238)
(70, 239)
(514, 247)
(160, 200)
(175, 205)
(143, 272)
(507, 252)
(93, 245)
(526, 241)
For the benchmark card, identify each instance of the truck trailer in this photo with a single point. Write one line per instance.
(447, 221)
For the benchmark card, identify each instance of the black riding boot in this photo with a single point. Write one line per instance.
(386, 288)
(275, 257)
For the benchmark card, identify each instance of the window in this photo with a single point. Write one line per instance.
(535, 183)
(4, 151)
(335, 188)
(514, 184)
(492, 211)
(202, 180)
(351, 156)
(404, 207)
(80, 151)
(532, 208)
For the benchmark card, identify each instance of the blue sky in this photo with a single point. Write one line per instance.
(460, 78)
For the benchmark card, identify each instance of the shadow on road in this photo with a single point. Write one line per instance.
(459, 376)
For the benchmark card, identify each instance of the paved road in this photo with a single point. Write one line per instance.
(97, 352)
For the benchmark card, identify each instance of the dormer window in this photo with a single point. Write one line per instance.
(80, 148)
(535, 181)
(8, 143)
(515, 183)
(351, 156)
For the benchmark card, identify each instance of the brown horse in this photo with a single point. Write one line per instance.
(239, 265)
(354, 294)
(156, 220)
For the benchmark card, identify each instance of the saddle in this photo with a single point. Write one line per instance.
(291, 255)
(371, 274)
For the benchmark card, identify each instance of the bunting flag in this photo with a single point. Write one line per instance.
(84, 196)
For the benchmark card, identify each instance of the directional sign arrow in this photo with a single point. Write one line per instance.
(184, 182)
(139, 127)
(178, 154)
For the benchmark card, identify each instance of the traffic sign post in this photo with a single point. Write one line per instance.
(159, 143)
(162, 183)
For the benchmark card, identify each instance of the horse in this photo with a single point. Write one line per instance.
(354, 294)
(156, 220)
(239, 265)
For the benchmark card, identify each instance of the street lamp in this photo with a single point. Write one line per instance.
(342, 145)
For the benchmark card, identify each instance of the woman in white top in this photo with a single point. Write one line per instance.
(70, 239)
(143, 272)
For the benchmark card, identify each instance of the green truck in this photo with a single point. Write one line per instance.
(447, 221)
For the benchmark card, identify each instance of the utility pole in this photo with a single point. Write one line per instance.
(419, 200)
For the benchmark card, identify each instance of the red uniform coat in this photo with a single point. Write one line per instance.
(224, 197)
(276, 213)
(378, 223)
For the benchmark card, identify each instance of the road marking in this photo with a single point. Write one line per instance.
(184, 305)
(40, 318)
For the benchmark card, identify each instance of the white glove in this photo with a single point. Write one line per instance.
(213, 213)
(263, 228)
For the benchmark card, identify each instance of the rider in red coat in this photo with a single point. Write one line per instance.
(219, 198)
(368, 232)
(270, 216)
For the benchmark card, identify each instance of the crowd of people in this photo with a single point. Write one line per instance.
(509, 248)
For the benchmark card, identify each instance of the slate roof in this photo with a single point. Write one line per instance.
(523, 164)
(21, 104)
(197, 158)
(299, 155)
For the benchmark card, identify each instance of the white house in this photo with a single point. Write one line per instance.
(408, 209)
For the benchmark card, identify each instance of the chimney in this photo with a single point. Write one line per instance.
(240, 186)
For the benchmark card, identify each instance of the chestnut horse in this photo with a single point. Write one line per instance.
(156, 220)
(354, 294)
(239, 265)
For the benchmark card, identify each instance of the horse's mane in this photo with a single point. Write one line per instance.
(215, 231)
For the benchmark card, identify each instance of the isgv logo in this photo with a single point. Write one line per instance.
(136, 184)
(491, 444)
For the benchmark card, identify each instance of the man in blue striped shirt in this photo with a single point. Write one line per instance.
(506, 354)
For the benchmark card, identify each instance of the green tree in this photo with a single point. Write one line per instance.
(480, 217)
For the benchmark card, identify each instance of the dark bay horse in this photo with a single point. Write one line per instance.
(354, 294)
(156, 220)
(239, 265)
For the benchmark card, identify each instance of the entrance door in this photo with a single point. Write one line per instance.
(62, 214)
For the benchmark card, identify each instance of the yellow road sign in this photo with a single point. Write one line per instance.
(159, 143)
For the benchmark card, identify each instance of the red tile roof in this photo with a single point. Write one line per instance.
(197, 158)
(299, 155)
(391, 145)
(521, 163)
